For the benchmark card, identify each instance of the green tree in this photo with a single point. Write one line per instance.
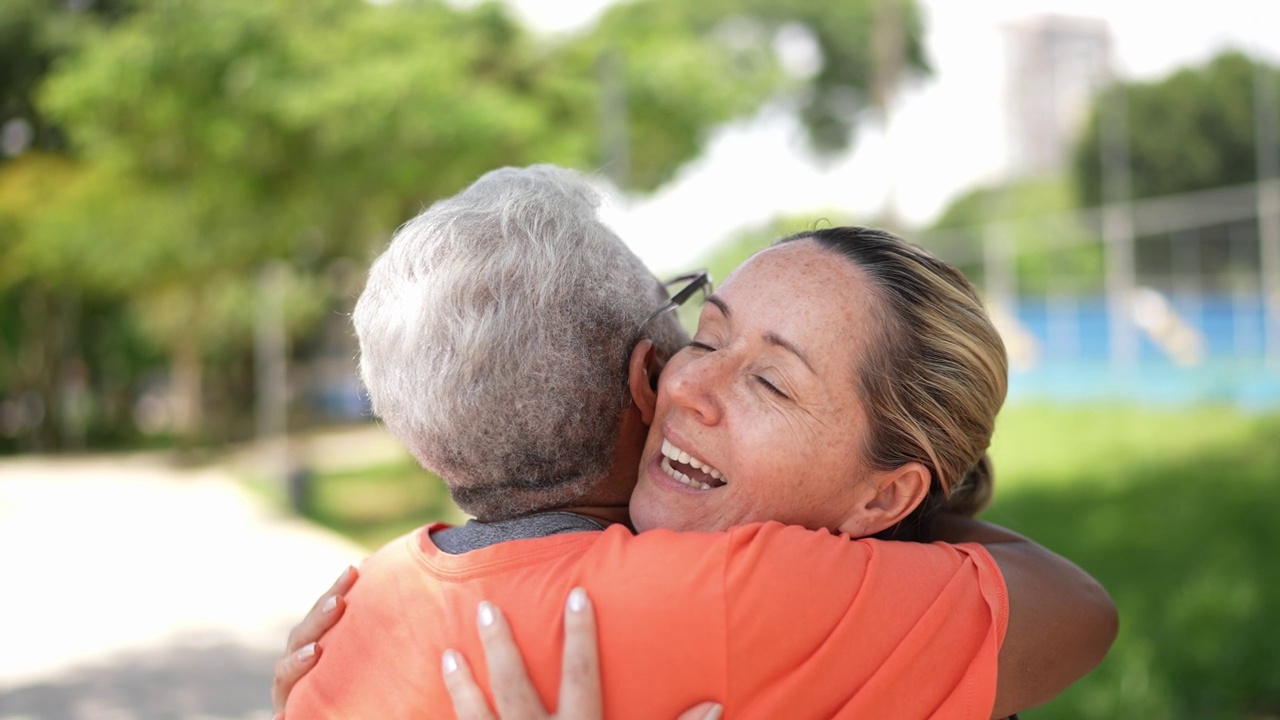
(1192, 130)
(34, 34)
(213, 137)
(1036, 217)
(693, 65)
(222, 135)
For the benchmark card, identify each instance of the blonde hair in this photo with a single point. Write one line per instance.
(935, 377)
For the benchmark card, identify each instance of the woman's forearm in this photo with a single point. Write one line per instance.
(1061, 620)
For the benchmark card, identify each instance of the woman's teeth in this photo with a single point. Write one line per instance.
(666, 467)
(671, 453)
(679, 455)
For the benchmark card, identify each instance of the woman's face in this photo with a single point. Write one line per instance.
(760, 417)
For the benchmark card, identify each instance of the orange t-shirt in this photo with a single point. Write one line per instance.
(772, 621)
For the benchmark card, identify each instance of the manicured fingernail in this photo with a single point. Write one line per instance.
(486, 613)
(450, 661)
(329, 604)
(306, 652)
(714, 713)
(577, 600)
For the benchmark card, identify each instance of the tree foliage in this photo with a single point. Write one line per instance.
(1192, 130)
(1053, 252)
(34, 36)
(686, 55)
(183, 145)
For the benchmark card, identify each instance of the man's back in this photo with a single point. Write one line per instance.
(737, 617)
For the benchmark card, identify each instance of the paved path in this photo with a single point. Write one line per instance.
(134, 590)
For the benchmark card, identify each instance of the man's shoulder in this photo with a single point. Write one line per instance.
(761, 540)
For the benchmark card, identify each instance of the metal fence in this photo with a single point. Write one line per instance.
(1168, 300)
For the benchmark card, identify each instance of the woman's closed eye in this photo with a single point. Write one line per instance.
(771, 388)
(696, 345)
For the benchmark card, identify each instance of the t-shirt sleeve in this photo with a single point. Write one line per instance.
(859, 628)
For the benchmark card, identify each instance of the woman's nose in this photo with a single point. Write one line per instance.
(695, 386)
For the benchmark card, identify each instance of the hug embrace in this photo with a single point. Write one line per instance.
(774, 516)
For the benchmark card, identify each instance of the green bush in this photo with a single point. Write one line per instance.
(376, 504)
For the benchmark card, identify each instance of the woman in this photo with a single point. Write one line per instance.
(844, 339)
(844, 380)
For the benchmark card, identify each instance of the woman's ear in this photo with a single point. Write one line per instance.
(642, 378)
(896, 494)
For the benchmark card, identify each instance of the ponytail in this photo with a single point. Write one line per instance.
(973, 493)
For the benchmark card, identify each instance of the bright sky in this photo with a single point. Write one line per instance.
(947, 134)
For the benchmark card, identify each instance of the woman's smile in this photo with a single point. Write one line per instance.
(688, 469)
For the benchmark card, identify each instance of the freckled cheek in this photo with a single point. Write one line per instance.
(770, 442)
(768, 476)
(763, 499)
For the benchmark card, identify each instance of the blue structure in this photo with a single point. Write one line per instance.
(1074, 364)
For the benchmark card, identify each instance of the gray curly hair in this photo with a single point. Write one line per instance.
(494, 336)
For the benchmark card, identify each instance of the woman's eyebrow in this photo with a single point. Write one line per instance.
(770, 337)
(775, 339)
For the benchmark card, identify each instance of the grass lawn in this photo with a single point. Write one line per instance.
(1177, 513)
(376, 504)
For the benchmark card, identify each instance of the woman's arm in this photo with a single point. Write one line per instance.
(1061, 621)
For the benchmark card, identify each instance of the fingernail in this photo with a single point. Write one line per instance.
(329, 604)
(714, 713)
(577, 600)
(486, 613)
(306, 652)
(450, 661)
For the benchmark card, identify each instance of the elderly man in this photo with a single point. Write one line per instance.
(511, 341)
(495, 334)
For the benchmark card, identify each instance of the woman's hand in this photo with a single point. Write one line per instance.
(301, 650)
(513, 692)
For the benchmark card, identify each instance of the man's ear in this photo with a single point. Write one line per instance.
(642, 378)
(896, 494)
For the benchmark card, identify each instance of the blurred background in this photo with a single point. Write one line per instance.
(191, 190)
